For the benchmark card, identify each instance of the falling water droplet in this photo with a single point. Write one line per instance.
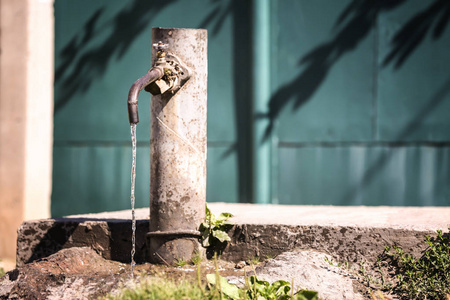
(133, 181)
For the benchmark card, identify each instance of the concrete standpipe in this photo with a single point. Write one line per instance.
(178, 145)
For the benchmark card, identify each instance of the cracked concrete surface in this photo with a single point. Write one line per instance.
(346, 233)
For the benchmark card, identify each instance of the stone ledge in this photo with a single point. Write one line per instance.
(347, 233)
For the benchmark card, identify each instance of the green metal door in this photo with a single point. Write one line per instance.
(361, 102)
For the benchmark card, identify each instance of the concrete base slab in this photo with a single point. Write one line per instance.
(346, 233)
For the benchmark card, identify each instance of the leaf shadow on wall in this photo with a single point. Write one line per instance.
(353, 25)
(83, 61)
(435, 19)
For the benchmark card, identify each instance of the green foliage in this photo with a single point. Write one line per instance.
(372, 276)
(257, 289)
(261, 289)
(330, 261)
(427, 277)
(306, 295)
(181, 262)
(254, 260)
(197, 258)
(269, 256)
(230, 290)
(157, 288)
(214, 229)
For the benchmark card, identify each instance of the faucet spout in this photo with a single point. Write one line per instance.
(152, 75)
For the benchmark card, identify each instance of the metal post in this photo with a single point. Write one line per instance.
(261, 96)
(178, 152)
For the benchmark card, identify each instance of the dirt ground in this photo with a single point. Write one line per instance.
(81, 273)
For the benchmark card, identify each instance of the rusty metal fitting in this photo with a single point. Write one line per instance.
(167, 74)
(132, 102)
(175, 75)
(161, 54)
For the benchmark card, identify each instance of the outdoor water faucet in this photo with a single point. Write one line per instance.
(168, 74)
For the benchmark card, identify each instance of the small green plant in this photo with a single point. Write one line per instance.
(254, 260)
(270, 256)
(181, 262)
(197, 258)
(214, 229)
(373, 280)
(338, 264)
(330, 261)
(260, 288)
(257, 289)
(218, 288)
(229, 290)
(427, 277)
(384, 284)
(2, 272)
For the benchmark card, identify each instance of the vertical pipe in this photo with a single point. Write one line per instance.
(178, 152)
(261, 96)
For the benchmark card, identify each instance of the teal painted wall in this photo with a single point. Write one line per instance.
(358, 113)
(361, 102)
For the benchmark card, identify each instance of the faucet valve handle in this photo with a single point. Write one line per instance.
(160, 47)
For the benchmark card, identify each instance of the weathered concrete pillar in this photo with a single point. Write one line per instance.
(178, 152)
(26, 115)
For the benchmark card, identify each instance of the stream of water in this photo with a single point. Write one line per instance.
(133, 181)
